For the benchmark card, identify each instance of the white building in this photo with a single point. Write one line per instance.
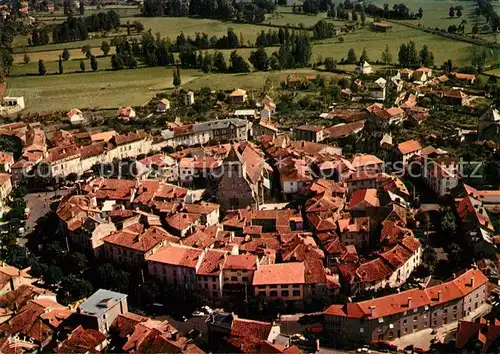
(364, 69)
(163, 106)
(75, 116)
(189, 98)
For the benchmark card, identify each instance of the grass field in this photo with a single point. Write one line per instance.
(104, 89)
(53, 55)
(52, 67)
(289, 18)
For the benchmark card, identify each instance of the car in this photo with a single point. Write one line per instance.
(297, 337)
(363, 350)
(197, 313)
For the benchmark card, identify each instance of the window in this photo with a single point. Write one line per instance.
(214, 278)
(415, 318)
(226, 278)
(214, 286)
(295, 286)
(234, 278)
(261, 287)
(296, 293)
(404, 321)
(284, 286)
(273, 286)
(244, 278)
(273, 293)
(284, 293)
(205, 278)
(262, 293)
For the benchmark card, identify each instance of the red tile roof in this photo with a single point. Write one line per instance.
(82, 340)
(409, 146)
(242, 261)
(212, 263)
(182, 256)
(373, 271)
(140, 241)
(281, 273)
(247, 335)
(363, 198)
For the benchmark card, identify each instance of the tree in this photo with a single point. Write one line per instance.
(259, 59)
(16, 256)
(274, 62)
(41, 68)
(87, 50)
(220, 62)
(459, 12)
(364, 56)
(82, 66)
(117, 62)
(65, 54)
(426, 57)
(351, 56)
(93, 63)
(386, 55)
(81, 7)
(176, 78)
(420, 12)
(105, 47)
(451, 13)
(430, 258)
(53, 275)
(238, 64)
(60, 65)
(330, 64)
(76, 288)
(454, 255)
(26, 58)
(448, 223)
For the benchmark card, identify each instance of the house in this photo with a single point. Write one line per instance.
(5, 186)
(489, 125)
(283, 280)
(466, 78)
(266, 112)
(312, 133)
(393, 115)
(405, 74)
(101, 308)
(175, 265)
(163, 106)
(364, 68)
(479, 336)
(264, 128)
(406, 150)
(76, 116)
(81, 339)
(397, 315)
(209, 273)
(6, 161)
(238, 96)
(366, 162)
(238, 273)
(12, 278)
(189, 98)
(125, 113)
(422, 74)
(376, 90)
(456, 97)
(294, 174)
(441, 175)
(381, 27)
(245, 114)
(293, 81)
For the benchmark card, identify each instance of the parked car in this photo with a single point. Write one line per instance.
(197, 313)
(363, 350)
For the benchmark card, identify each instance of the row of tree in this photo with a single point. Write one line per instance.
(408, 56)
(398, 12)
(250, 12)
(487, 10)
(75, 29)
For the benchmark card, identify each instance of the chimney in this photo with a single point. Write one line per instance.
(439, 295)
(372, 311)
(409, 301)
(472, 282)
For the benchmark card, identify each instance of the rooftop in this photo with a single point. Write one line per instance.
(100, 302)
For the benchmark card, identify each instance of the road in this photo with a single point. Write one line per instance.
(39, 204)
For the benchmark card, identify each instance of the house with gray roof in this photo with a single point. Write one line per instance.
(101, 308)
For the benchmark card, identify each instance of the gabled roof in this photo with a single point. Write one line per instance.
(409, 146)
(280, 273)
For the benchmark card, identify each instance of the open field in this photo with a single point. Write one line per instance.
(172, 27)
(375, 43)
(122, 10)
(289, 18)
(103, 89)
(53, 55)
(52, 67)
(436, 13)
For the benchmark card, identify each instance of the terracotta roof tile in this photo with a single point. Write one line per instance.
(281, 273)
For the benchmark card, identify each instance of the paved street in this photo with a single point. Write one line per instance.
(39, 204)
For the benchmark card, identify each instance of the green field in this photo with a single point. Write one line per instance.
(104, 89)
(289, 18)
(53, 55)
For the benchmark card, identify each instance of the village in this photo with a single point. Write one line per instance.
(371, 235)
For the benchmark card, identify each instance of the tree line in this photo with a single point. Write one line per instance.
(398, 12)
(250, 12)
(77, 29)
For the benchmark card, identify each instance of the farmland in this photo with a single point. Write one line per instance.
(106, 88)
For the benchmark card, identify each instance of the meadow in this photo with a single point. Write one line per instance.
(102, 89)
